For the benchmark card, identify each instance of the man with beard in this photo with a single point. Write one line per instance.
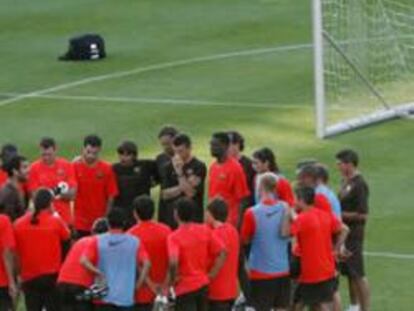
(11, 196)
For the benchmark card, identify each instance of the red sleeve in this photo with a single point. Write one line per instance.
(249, 226)
(336, 224)
(91, 251)
(71, 176)
(33, 179)
(295, 227)
(173, 248)
(240, 183)
(7, 235)
(285, 192)
(111, 184)
(142, 254)
(63, 229)
(322, 203)
(215, 245)
(211, 181)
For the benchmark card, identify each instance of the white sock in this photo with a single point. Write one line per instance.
(353, 308)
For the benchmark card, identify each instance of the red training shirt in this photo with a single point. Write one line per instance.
(154, 237)
(49, 176)
(72, 272)
(225, 285)
(3, 177)
(228, 181)
(7, 241)
(39, 245)
(313, 230)
(96, 186)
(193, 245)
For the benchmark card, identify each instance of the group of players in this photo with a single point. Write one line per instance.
(80, 234)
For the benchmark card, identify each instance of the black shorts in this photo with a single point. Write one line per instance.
(294, 266)
(5, 300)
(144, 307)
(194, 301)
(353, 267)
(316, 293)
(215, 305)
(41, 292)
(273, 293)
(106, 307)
(68, 301)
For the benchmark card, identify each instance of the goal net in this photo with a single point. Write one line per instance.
(364, 62)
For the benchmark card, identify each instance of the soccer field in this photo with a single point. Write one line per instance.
(202, 65)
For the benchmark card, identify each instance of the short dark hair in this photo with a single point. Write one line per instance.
(128, 147)
(218, 209)
(100, 225)
(47, 142)
(348, 156)
(14, 163)
(236, 138)
(168, 130)
(306, 193)
(8, 151)
(93, 141)
(185, 209)
(144, 207)
(309, 170)
(182, 139)
(116, 218)
(304, 162)
(222, 137)
(322, 172)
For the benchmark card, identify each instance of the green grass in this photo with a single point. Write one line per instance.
(277, 87)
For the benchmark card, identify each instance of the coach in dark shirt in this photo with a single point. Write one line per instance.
(353, 196)
(163, 160)
(185, 177)
(134, 177)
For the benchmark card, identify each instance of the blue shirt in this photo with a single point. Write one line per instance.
(117, 260)
(269, 249)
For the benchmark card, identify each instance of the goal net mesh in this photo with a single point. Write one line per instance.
(368, 56)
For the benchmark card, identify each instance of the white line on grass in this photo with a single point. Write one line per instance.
(390, 255)
(179, 101)
(167, 101)
(154, 67)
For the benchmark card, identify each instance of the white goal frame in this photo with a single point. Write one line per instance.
(384, 113)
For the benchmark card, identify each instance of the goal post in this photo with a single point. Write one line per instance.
(363, 63)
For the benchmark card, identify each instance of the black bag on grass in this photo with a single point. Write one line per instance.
(85, 47)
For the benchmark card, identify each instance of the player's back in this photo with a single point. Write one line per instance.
(225, 285)
(154, 237)
(39, 244)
